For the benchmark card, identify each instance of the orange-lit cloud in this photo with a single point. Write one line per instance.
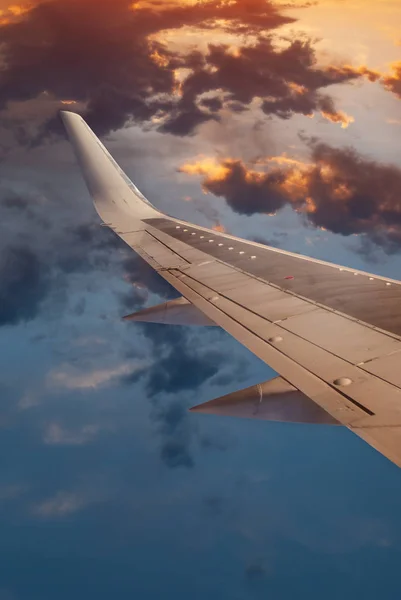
(206, 166)
(353, 72)
(219, 227)
(282, 160)
(13, 12)
(339, 117)
(296, 88)
(159, 59)
(393, 82)
(337, 190)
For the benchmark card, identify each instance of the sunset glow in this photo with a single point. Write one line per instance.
(246, 123)
(13, 12)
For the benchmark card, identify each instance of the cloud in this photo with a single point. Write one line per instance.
(30, 275)
(182, 366)
(287, 80)
(61, 505)
(24, 284)
(337, 190)
(144, 279)
(56, 435)
(255, 570)
(214, 505)
(28, 400)
(73, 378)
(276, 241)
(246, 191)
(182, 369)
(174, 453)
(128, 74)
(132, 74)
(392, 82)
(11, 492)
(12, 13)
(45, 243)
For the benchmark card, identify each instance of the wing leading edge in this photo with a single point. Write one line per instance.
(333, 334)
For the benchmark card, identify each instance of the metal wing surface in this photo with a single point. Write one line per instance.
(332, 333)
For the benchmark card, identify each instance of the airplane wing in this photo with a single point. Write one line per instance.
(332, 333)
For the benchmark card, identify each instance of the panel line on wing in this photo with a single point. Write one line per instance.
(168, 248)
(366, 391)
(329, 286)
(325, 395)
(222, 294)
(339, 391)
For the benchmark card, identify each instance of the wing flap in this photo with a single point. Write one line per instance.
(273, 400)
(173, 312)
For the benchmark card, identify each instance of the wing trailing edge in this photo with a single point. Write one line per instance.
(273, 400)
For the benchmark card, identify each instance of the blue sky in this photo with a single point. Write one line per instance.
(108, 485)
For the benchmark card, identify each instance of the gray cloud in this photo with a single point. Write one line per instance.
(39, 267)
(255, 570)
(182, 365)
(175, 453)
(25, 283)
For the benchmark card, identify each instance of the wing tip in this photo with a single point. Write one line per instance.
(68, 116)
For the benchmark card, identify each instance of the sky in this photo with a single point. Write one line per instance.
(278, 122)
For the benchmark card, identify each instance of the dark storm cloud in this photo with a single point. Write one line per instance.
(99, 55)
(213, 104)
(183, 369)
(243, 194)
(104, 56)
(338, 190)
(181, 366)
(137, 271)
(85, 246)
(352, 194)
(40, 249)
(175, 454)
(15, 202)
(24, 285)
(287, 80)
(176, 434)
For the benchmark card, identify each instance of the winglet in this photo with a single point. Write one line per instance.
(114, 195)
